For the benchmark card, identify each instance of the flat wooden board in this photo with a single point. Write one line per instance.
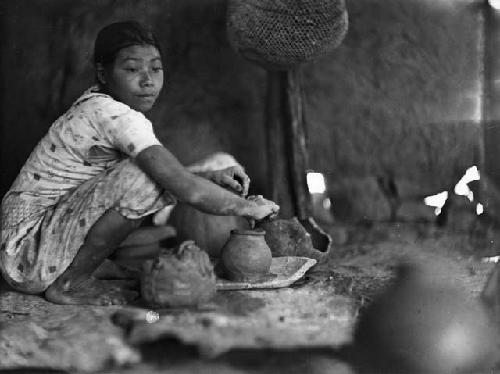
(284, 272)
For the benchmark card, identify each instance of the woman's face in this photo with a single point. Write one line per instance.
(135, 77)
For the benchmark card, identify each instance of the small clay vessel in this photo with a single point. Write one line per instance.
(246, 256)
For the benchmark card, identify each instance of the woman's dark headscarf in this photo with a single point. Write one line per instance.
(120, 35)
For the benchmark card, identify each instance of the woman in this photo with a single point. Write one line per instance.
(97, 173)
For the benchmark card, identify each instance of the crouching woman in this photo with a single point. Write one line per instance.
(97, 173)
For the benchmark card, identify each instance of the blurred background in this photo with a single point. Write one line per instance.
(401, 137)
(396, 113)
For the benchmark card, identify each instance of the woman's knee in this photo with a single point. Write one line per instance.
(215, 161)
(128, 181)
(129, 173)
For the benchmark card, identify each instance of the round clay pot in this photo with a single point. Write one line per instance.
(246, 256)
(419, 325)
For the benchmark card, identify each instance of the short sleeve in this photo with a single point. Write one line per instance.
(126, 129)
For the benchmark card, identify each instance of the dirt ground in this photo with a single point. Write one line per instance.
(299, 329)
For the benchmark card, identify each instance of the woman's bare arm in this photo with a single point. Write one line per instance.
(164, 168)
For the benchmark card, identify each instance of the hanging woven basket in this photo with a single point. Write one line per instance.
(281, 34)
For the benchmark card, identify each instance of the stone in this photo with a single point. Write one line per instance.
(290, 237)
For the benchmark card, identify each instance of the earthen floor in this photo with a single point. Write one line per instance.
(300, 329)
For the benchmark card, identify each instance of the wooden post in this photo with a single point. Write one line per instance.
(490, 152)
(286, 144)
(298, 157)
(278, 178)
(491, 293)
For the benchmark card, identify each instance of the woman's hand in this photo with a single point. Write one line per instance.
(233, 177)
(260, 208)
(200, 191)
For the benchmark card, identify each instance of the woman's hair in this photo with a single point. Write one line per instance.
(116, 36)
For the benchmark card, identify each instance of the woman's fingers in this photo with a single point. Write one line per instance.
(233, 177)
(240, 174)
(259, 199)
(270, 212)
(266, 209)
(229, 181)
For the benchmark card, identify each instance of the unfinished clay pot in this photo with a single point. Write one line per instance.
(178, 278)
(291, 237)
(246, 256)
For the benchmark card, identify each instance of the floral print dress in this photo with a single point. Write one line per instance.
(81, 168)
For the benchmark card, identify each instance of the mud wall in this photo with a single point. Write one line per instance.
(394, 112)
(404, 83)
(397, 101)
(212, 100)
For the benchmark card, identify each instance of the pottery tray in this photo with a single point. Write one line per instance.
(284, 270)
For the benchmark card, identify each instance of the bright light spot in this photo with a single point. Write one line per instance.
(479, 209)
(152, 316)
(461, 188)
(453, 343)
(491, 260)
(471, 174)
(327, 203)
(474, 99)
(316, 182)
(437, 201)
(495, 4)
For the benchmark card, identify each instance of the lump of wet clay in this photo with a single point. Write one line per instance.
(180, 277)
(246, 256)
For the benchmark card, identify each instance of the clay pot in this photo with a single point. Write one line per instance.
(209, 232)
(246, 256)
(422, 326)
(182, 277)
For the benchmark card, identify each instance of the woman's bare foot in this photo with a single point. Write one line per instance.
(76, 285)
(93, 292)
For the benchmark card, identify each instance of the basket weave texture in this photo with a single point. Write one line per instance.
(280, 34)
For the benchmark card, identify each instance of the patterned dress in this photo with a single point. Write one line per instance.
(81, 168)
